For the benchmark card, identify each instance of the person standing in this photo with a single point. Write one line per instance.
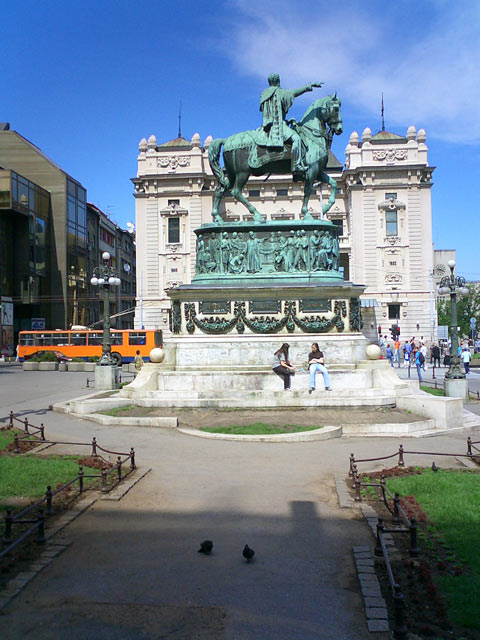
(138, 361)
(407, 350)
(436, 355)
(418, 363)
(282, 366)
(396, 351)
(389, 354)
(466, 357)
(424, 351)
(316, 363)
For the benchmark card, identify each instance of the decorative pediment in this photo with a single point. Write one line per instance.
(174, 210)
(391, 205)
(173, 162)
(389, 155)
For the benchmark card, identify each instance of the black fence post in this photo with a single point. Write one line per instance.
(48, 498)
(399, 629)
(119, 468)
(433, 372)
(42, 432)
(25, 425)
(469, 446)
(80, 479)
(104, 488)
(15, 444)
(352, 462)
(40, 528)
(132, 458)
(10, 423)
(401, 463)
(413, 538)
(7, 534)
(378, 545)
(94, 447)
(396, 511)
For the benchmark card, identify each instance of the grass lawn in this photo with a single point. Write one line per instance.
(451, 501)
(118, 410)
(432, 390)
(258, 428)
(5, 438)
(28, 476)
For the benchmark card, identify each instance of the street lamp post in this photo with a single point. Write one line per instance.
(105, 278)
(455, 379)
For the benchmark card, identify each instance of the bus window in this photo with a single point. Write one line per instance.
(40, 340)
(59, 339)
(95, 338)
(137, 337)
(115, 337)
(27, 339)
(78, 339)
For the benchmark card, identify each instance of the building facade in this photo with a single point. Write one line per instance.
(382, 205)
(63, 212)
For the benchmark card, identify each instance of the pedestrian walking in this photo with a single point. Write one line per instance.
(466, 357)
(436, 355)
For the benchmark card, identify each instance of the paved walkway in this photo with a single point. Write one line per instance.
(133, 570)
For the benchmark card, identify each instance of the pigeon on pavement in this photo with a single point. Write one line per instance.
(248, 553)
(206, 547)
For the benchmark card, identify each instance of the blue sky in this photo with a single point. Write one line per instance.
(85, 80)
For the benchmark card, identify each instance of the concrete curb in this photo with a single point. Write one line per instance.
(126, 485)
(375, 606)
(162, 422)
(326, 433)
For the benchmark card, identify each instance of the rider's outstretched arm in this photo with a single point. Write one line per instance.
(307, 87)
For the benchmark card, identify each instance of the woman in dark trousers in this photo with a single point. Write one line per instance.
(282, 366)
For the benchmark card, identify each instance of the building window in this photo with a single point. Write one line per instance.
(393, 263)
(394, 312)
(254, 192)
(390, 196)
(391, 224)
(282, 192)
(338, 222)
(174, 230)
(174, 270)
(174, 203)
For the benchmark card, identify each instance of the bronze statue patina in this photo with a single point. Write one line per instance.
(278, 147)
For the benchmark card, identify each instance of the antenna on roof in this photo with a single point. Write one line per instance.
(383, 119)
(180, 120)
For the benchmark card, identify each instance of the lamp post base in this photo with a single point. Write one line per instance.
(456, 388)
(106, 377)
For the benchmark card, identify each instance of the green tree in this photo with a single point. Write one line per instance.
(467, 307)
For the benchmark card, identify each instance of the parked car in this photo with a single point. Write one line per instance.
(58, 355)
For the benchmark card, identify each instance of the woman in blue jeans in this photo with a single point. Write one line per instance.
(316, 363)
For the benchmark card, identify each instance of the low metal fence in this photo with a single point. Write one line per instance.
(109, 479)
(399, 517)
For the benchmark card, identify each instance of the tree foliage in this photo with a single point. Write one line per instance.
(467, 307)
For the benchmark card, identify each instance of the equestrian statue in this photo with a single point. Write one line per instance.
(279, 146)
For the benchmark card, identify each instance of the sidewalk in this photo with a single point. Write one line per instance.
(133, 570)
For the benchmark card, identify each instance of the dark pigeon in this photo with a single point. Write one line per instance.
(248, 553)
(206, 547)
(434, 466)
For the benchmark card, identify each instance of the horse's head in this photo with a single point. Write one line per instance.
(322, 112)
(333, 117)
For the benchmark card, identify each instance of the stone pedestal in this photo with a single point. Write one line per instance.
(456, 388)
(106, 377)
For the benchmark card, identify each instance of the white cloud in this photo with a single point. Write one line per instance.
(425, 59)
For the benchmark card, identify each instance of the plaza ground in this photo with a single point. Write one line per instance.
(133, 570)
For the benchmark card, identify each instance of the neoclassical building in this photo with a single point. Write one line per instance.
(382, 205)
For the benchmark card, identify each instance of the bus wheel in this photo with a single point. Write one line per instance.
(117, 358)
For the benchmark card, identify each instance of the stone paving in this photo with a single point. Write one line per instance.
(132, 570)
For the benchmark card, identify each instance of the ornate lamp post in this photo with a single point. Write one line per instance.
(455, 380)
(105, 278)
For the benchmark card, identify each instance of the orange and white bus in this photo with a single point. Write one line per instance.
(88, 343)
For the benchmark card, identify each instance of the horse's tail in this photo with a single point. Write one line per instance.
(213, 157)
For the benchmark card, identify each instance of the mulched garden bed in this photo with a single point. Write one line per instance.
(425, 610)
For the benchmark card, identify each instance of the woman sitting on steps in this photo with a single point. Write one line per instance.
(316, 363)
